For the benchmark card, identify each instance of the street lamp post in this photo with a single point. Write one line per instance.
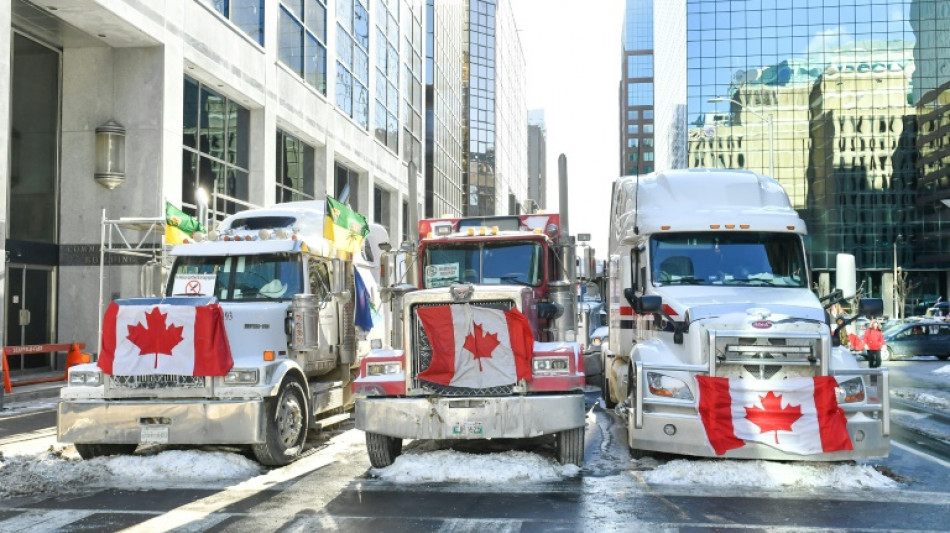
(895, 292)
(766, 118)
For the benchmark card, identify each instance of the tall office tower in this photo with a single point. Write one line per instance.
(537, 161)
(652, 87)
(445, 27)
(844, 103)
(495, 132)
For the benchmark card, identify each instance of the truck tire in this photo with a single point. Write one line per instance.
(570, 446)
(609, 403)
(91, 451)
(285, 429)
(382, 449)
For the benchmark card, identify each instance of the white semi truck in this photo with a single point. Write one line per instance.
(708, 277)
(286, 298)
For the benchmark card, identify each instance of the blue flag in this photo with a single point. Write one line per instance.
(364, 312)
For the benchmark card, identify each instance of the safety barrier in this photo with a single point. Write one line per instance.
(74, 356)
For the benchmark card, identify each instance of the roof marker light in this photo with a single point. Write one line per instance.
(665, 228)
(265, 234)
(743, 226)
(213, 235)
(730, 226)
(282, 233)
(790, 228)
(494, 230)
(714, 226)
(471, 231)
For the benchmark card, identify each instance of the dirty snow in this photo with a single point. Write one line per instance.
(51, 472)
(768, 475)
(933, 398)
(454, 466)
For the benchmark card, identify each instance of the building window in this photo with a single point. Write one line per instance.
(648, 156)
(346, 186)
(352, 67)
(381, 207)
(648, 114)
(640, 94)
(633, 129)
(413, 105)
(633, 115)
(302, 28)
(648, 141)
(245, 14)
(294, 169)
(632, 157)
(640, 66)
(215, 148)
(648, 128)
(386, 117)
(633, 143)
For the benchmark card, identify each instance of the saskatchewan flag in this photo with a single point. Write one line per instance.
(345, 227)
(179, 225)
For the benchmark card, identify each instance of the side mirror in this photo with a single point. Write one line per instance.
(648, 303)
(871, 306)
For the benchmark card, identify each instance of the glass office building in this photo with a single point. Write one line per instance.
(636, 89)
(845, 103)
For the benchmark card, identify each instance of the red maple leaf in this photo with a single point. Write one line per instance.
(155, 338)
(480, 344)
(772, 416)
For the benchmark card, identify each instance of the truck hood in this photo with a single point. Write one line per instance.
(704, 302)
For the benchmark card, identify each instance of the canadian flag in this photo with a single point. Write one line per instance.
(181, 340)
(476, 347)
(795, 415)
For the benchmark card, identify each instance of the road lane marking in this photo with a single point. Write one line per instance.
(919, 453)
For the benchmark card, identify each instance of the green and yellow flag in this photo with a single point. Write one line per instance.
(179, 225)
(345, 227)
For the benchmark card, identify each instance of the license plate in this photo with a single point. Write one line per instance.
(154, 435)
(467, 428)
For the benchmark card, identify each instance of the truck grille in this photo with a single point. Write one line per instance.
(422, 356)
(159, 381)
(764, 357)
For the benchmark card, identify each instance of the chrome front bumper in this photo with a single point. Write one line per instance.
(167, 422)
(470, 418)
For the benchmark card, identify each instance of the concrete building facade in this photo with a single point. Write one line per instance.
(254, 101)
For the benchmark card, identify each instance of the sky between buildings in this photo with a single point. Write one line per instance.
(573, 51)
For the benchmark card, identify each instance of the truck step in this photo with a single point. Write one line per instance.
(333, 420)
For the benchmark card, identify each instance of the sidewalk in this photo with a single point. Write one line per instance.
(39, 392)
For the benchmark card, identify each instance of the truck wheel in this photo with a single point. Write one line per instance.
(382, 449)
(285, 430)
(91, 451)
(609, 403)
(570, 446)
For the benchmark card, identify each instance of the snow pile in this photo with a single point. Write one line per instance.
(931, 398)
(52, 472)
(450, 465)
(768, 475)
(945, 369)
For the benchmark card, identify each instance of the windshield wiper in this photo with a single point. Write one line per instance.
(754, 281)
(687, 280)
(513, 279)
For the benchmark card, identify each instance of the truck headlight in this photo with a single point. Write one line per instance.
(383, 369)
(242, 376)
(850, 391)
(87, 378)
(551, 365)
(668, 387)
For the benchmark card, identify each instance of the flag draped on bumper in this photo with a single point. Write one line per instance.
(795, 415)
(181, 340)
(476, 347)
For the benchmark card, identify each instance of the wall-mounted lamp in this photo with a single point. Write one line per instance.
(110, 154)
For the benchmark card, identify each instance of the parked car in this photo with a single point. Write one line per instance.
(921, 337)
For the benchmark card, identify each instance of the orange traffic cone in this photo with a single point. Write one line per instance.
(6, 372)
(74, 357)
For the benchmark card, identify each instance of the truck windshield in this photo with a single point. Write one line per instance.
(755, 259)
(243, 277)
(489, 263)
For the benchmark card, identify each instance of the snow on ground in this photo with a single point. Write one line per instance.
(52, 472)
(934, 398)
(768, 475)
(453, 466)
(945, 369)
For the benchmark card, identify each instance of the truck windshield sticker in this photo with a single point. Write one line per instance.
(194, 285)
(442, 275)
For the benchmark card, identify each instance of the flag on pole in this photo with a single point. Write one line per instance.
(476, 347)
(179, 225)
(795, 415)
(345, 227)
(181, 340)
